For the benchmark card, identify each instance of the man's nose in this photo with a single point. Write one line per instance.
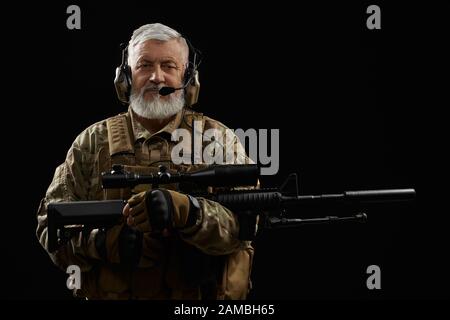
(157, 75)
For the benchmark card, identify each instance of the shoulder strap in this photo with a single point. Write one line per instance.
(121, 150)
(120, 135)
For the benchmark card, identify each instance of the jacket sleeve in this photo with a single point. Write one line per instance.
(217, 228)
(72, 181)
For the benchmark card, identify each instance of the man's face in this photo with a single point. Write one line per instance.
(157, 64)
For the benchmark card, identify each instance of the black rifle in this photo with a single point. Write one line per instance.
(67, 218)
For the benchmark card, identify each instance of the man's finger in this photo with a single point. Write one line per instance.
(139, 217)
(126, 210)
(130, 221)
(143, 227)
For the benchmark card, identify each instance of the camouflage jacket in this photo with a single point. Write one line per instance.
(176, 268)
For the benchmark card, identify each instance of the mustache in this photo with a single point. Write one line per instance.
(151, 87)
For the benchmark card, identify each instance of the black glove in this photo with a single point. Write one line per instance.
(161, 209)
(130, 246)
(120, 244)
(171, 210)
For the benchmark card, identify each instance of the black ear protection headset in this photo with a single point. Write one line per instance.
(191, 83)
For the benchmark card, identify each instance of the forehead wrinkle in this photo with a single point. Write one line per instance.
(177, 52)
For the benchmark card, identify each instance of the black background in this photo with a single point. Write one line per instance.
(356, 109)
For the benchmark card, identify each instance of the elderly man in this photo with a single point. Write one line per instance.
(198, 254)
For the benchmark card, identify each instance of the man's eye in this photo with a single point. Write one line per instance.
(169, 66)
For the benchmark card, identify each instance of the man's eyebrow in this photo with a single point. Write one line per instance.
(169, 60)
(163, 59)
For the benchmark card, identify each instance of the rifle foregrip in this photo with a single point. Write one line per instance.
(249, 200)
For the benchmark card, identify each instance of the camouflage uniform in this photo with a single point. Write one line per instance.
(206, 260)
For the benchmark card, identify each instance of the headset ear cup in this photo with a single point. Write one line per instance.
(192, 90)
(122, 83)
(128, 77)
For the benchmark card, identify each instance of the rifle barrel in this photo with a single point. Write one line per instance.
(273, 200)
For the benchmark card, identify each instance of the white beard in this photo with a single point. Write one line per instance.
(156, 108)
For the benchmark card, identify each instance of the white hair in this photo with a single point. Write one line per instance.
(155, 31)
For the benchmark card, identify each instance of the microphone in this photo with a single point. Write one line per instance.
(164, 91)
